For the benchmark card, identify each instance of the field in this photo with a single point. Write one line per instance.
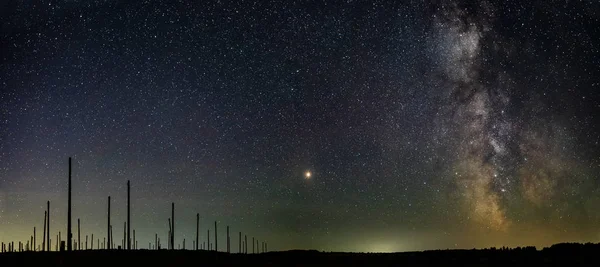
(559, 255)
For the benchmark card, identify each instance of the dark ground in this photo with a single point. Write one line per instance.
(557, 255)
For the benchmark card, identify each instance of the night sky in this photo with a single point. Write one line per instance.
(423, 125)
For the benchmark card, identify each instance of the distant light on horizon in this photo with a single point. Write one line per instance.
(381, 247)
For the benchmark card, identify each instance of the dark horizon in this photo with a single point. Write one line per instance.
(356, 126)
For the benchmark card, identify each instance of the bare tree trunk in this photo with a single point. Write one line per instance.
(108, 230)
(78, 234)
(173, 226)
(48, 225)
(128, 216)
(69, 233)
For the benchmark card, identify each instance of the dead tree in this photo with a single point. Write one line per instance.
(69, 233)
(128, 216)
(108, 230)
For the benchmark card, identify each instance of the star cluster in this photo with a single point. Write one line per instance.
(352, 126)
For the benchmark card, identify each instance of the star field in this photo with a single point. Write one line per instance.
(342, 126)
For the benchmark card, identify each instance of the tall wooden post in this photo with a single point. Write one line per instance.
(78, 234)
(173, 225)
(112, 240)
(48, 225)
(128, 217)
(108, 227)
(69, 233)
(197, 228)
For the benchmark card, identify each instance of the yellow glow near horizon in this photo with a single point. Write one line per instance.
(381, 247)
(307, 175)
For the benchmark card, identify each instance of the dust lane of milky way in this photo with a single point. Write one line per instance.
(357, 126)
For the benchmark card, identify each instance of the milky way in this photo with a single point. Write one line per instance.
(477, 110)
(505, 147)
